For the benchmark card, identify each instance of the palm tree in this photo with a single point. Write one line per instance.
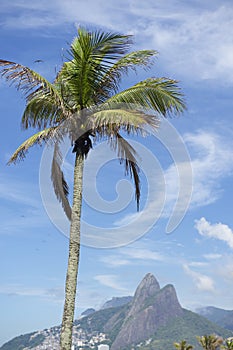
(228, 344)
(183, 345)
(84, 101)
(210, 342)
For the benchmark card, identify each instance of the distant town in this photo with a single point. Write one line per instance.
(81, 340)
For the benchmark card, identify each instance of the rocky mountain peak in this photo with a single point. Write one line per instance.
(148, 287)
(150, 309)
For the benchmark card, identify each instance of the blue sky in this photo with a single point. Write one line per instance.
(195, 44)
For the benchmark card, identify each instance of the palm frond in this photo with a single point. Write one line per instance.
(42, 112)
(92, 55)
(60, 185)
(159, 94)
(37, 138)
(29, 81)
(131, 61)
(127, 155)
(103, 46)
(130, 120)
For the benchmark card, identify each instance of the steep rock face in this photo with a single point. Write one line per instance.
(151, 308)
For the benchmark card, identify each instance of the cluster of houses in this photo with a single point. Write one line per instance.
(81, 341)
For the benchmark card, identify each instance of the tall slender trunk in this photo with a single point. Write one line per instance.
(73, 261)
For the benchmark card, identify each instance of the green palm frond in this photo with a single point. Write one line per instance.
(92, 55)
(131, 61)
(37, 138)
(42, 112)
(60, 185)
(159, 94)
(131, 121)
(102, 46)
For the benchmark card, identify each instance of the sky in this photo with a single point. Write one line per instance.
(183, 233)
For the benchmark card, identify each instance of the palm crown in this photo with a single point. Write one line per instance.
(85, 101)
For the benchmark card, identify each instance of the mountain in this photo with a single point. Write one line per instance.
(152, 319)
(223, 318)
(87, 312)
(117, 301)
(150, 309)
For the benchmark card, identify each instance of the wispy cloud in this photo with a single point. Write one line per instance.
(145, 254)
(17, 191)
(211, 162)
(115, 260)
(21, 206)
(53, 294)
(212, 256)
(133, 255)
(201, 281)
(110, 281)
(190, 32)
(218, 231)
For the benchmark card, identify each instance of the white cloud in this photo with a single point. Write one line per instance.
(218, 231)
(21, 206)
(141, 254)
(202, 282)
(225, 271)
(44, 14)
(54, 294)
(212, 256)
(189, 37)
(198, 264)
(195, 40)
(212, 160)
(110, 281)
(115, 261)
(18, 191)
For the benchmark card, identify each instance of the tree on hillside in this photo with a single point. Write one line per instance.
(83, 102)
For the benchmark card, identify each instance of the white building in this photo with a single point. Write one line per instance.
(103, 347)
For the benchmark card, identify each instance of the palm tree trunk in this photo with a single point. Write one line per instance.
(73, 261)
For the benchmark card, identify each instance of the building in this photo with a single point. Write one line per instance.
(103, 347)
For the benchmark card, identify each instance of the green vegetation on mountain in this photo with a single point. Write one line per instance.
(23, 341)
(223, 318)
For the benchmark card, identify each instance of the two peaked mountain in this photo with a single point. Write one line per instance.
(150, 309)
(152, 319)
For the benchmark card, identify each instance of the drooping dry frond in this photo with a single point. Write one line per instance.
(128, 156)
(60, 185)
(29, 81)
(37, 138)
